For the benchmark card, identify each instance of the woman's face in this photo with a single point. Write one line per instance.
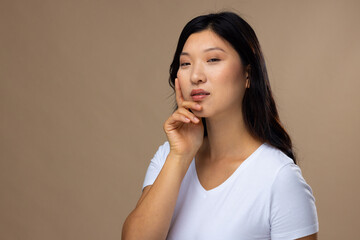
(210, 63)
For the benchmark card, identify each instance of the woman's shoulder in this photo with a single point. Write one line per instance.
(281, 170)
(274, 157)
(271, 161)
(161, 153)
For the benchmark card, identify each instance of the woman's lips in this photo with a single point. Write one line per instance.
(199, 94)
(198, 97)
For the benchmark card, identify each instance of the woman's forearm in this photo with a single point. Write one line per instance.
(152, 216)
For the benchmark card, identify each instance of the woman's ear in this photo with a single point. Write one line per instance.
(247, 71)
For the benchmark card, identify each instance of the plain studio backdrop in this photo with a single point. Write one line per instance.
(84, 95)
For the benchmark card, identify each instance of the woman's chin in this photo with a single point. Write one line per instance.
(200, 114)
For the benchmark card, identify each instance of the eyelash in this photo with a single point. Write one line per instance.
(216, 59)
(210, 60)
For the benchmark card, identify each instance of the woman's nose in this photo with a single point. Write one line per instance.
(197, 74)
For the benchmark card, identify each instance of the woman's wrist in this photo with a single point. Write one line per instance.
(182, 160)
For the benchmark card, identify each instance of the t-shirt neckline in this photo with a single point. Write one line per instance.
(232, 176)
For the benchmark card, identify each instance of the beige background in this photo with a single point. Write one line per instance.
(84, 94)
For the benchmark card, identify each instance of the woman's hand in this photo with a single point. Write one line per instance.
(185, 132)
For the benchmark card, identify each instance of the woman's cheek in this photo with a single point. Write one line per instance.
(181, 73)
(215, 74)
(181, 80)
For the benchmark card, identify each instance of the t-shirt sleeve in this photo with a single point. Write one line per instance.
(156, 164)
(293, 211)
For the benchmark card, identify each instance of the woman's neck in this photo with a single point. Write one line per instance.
(228, 138)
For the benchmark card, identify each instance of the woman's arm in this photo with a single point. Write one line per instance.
(152, 216)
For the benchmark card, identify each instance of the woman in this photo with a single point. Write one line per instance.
(228, 170)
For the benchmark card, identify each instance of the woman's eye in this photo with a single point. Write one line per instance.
(184, 64)
(213, 60)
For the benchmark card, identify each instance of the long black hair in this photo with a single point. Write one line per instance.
(258, 106)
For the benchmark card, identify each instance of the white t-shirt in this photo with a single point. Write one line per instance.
(265, 198)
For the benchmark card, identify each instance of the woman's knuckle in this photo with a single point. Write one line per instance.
(184, 104)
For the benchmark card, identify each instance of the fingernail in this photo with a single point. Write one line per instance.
(197, 105)
(196, 119)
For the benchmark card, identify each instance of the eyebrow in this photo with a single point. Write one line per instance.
(206, 50)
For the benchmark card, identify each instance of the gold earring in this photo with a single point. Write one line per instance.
(247, 85)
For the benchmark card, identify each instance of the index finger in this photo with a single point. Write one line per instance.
(178, 93)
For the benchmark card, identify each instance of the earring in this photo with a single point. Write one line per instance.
(247, 85)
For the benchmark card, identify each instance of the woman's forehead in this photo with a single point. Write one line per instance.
(206, 40)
